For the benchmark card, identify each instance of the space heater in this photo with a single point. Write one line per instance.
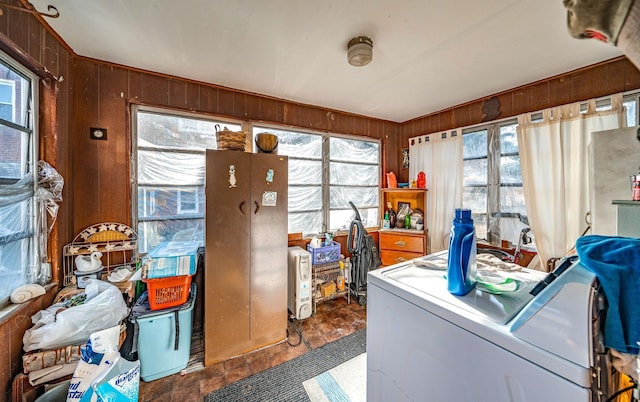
(299, 283)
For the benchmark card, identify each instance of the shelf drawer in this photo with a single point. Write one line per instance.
(389, 257)
(402, 242)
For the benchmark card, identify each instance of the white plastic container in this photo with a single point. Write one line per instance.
(173, 258)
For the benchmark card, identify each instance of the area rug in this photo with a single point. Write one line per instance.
(345, 383)
(196, 357)
(284, 382)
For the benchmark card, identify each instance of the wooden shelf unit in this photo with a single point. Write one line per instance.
(398, 245)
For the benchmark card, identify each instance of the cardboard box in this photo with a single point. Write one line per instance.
(327, 289)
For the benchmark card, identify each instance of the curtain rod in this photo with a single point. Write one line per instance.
(53, 12)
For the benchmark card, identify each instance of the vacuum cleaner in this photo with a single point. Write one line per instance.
(365, 257)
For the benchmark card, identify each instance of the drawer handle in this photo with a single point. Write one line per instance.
(401, 259)
(400, 243)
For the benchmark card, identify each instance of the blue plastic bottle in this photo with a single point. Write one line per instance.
(461, 273)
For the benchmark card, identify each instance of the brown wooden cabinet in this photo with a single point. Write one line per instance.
(398, 245)
(246, 253)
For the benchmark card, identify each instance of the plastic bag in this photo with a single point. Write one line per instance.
(102, 374)
(49, 192)
(403, 211)
(62, 325)
(121, 383)
(51, 180)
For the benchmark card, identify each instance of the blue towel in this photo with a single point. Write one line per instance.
(616, 263)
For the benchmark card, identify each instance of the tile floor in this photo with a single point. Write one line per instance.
(333, 320)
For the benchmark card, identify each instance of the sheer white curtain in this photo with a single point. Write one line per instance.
(439, 156)
(554, 160)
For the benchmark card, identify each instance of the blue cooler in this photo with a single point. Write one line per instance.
(164, 340)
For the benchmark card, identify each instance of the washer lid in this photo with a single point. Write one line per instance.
(428, 275)
(560, 319)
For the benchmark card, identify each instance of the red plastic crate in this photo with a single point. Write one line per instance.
(168, 292)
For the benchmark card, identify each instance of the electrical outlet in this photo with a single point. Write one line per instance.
(98, 133)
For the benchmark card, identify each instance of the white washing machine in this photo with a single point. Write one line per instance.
(425, 344)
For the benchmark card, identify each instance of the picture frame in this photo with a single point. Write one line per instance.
(402, 204)
(405, 158)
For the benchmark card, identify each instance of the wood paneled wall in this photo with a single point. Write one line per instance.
(614, 76)
(103, 97)
(78, 93)
(24, 38)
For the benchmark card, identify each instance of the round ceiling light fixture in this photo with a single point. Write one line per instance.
(360, 51)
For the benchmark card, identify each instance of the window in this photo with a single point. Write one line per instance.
(170, 174)
(188, 202)
(354, 176)
(304, 152)
(325, 173)
(19, 254)
(7, 99)
(492, 181)
(630, 102)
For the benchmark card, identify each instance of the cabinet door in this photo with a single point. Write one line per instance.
(268, 248)
(227, 322)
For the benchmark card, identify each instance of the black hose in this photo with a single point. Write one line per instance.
(299, 332)
(619, 392)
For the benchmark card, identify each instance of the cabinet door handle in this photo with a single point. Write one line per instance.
(241, 208)
(257, 208)
(401, 259)
(400, 243)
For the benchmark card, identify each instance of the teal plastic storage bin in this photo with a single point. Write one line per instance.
(173, 258)
(164, 340)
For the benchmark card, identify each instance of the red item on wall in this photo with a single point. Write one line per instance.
(422, 180)
(392, 182)
(635, 184)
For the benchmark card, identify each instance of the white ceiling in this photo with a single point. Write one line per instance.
(427, 55)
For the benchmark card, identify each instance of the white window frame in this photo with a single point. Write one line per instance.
(327, 168)
(12, 85)
(326, 161)
(196, 201)
(493, 213)
(632, 97)
(179, 215)
(149, 202)
(247, 126)
(32, 270)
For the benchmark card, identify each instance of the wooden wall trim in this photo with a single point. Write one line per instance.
(598, 80)
(604, 78)
(104, 93)
(246, 104)
(10, 48)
